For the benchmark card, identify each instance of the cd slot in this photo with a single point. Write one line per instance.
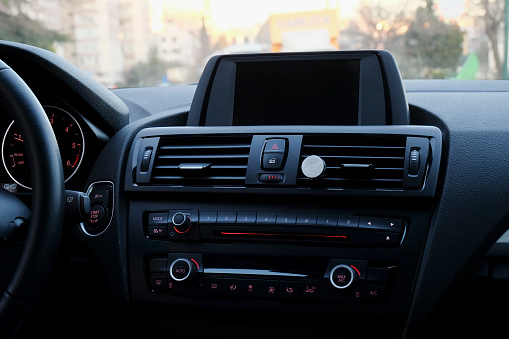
(271, 235)
(297, 234)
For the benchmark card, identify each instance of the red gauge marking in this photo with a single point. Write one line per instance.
(355, 268)
(195, 263)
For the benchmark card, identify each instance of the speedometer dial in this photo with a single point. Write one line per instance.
(70, 142)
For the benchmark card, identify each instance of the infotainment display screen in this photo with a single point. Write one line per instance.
(297, 92)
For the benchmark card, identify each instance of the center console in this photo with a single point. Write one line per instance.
(298, 185)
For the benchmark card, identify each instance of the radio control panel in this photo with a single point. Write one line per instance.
(188, 225)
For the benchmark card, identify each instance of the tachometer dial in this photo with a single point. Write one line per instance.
(70, 142)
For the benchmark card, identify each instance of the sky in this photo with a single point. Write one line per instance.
(226, 15)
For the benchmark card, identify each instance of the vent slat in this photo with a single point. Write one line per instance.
(190, 147)
(227, 156)
(350, 147)
(383, 159)
(206, 156)
(355, 157)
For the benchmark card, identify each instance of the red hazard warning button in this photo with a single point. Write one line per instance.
(275, 146)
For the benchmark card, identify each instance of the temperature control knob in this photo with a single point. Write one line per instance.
(181, 222)
(342, 276)
(182, 269)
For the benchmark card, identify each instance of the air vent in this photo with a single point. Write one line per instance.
(356, 162)
(212, 160)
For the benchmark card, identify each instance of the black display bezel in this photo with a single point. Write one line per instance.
(382, 98)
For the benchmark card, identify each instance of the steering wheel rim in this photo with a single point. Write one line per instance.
(46, 222)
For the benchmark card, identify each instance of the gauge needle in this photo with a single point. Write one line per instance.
(77, 158)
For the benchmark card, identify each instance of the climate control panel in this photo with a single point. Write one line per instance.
(319, 281)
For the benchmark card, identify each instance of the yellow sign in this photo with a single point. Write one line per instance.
(303, 21)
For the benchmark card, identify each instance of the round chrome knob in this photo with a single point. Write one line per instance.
(181, 222)
(342, 276)
(313, 167)
(182, 269)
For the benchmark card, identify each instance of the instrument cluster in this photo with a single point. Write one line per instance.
(72, 133)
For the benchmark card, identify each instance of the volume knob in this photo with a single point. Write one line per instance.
(313, 167)
(181, 222)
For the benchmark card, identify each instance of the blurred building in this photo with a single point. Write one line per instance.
(135, 35)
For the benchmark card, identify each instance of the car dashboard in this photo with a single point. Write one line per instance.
(205, 225)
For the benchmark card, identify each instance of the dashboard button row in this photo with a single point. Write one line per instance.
(265, 218)
(262, 288)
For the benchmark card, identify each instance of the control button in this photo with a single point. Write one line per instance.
(265, 218)
(289, 289)
(257, 288)
(369, 222)
(214, 286)
(275, 146)
(97, 216)
(306, 219)
(270, 289)
(232, 287)
(181, 222)
(156, 219)
(208, 217)
(413, 168)
(158, 265)
(380, 275)
(254, 288)
(342, 276)
(272, 177)
(182, 269)
(327, 220)
(100, 195)
(246, 217)
(158, 283)
(393, 225)
(145, 160)
(372, 292)
(226, 217)
(310, 290)
(158, 231)
(388, 238)
(348, 221)
(286, 218)
(272, 161)
(178, 218)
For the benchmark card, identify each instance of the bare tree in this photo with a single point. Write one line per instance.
(380, 24)
(491, 13)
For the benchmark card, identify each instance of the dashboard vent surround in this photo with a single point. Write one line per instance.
(356, 162)
(212, 160)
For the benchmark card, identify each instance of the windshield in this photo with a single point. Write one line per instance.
(130, 43)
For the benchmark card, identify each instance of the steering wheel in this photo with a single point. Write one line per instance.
(44, 232)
